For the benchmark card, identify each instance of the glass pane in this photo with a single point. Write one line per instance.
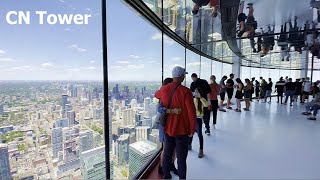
(173, 56)
(193, 66)
(205, 69)
(174, 16)
(52, 113)
(217, 70)
(134, 71)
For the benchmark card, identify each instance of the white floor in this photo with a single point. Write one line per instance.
(271, 141)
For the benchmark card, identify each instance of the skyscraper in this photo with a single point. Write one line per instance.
(4, 163)
(86, 140)
(1, 109)
(62, 123)
(123, 148)
(147, 102)
(71, 116)
(64, 101)
(56, 140)
(93, 164)
(128, 117)
(142, 133)
(139, 154)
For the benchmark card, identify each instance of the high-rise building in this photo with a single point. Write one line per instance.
(64, 101)
(5, 173)
(142, 133)
(86, 140)
(123, 148)
(69, 150)
(147, 102)
(128, 117)
(1, 109)
(97, 113)
(71, 116)
(93, 164)
(62, 123)
(56, 140)
(139, 154)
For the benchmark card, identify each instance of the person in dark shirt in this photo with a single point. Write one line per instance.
(269, 90)
(290, 88)
(257, 89)
(298, 91)
(280, 89)
(252, 87)
(204, 86)
(230, 89)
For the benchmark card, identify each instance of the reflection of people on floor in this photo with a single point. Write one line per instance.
(267, 40)
(283, 44)
(214, 4)
(248, 24)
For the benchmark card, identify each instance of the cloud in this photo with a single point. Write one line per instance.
(77, 48)
(62, 1)
(7, 60)
(2, 51)
(123, 62)
(92, 62)
(134, 57)
(73, 69)
(88, 9)
(116, 68)
(22, 68)
(137, 66)
(91, 68)
(46, 65)
(176, 59)
(158, 36)
(194, 64)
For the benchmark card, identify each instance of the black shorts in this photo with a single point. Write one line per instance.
(222, 96)
(251, 21)
(230, 93)
(306, 93)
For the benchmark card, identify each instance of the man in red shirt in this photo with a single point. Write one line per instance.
(180, 122)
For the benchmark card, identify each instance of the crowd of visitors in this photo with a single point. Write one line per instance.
(187, 109)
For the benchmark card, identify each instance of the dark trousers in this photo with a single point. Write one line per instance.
(206, 117)
(289, 94)
(180, 143)
(280, 95)
(199, 132)
(215, 106)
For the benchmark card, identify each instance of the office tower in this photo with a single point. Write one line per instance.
(128, 117)
(86, 140)
(93, 164)
(4, 163)
(56, 140)
(146, 103)
(110, 123)
(64, 101)
(62, 123)
(142, 133)
(154, 137)
(139, 154)
(1, 109)
(71, 116)
(69, 150)
(97, 113)
(123, 148)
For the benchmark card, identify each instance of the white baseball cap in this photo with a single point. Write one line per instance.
(178, 71)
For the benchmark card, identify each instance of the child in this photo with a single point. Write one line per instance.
(199, 103)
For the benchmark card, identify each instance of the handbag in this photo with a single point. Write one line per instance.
(163, 116)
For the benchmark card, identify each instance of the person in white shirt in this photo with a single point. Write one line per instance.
(306, 89)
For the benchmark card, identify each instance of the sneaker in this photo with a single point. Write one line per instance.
(269, 102)
(291, 104)
(277, 101)
(229, 107)
(222, 110)
(207, 132)
(200, 155)
(312, 118)
(237, 110)
(245, 109)
(160, 171)
(174, 169)
(214, 126)
(306, 113)
(189, 147)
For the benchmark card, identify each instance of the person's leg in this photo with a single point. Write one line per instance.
(281, 97)
(160, 171)
(206, 118)
(251, 10)
(168, 152)
(278, 96)
(316, 108)
(291, 97)
(287, 96)
(214, 104)
(241, 7)
(182, 153)
(199, 132)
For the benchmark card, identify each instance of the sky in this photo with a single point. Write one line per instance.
(74, 52)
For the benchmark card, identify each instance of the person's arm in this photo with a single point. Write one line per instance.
(158, 94)
(204, 102)
(192, 88)
(191, 112)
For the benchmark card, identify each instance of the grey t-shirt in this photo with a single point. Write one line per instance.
(222, 86)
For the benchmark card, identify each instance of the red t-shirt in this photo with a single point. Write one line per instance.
(215, 89)
(185, 122)
(213, 3)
